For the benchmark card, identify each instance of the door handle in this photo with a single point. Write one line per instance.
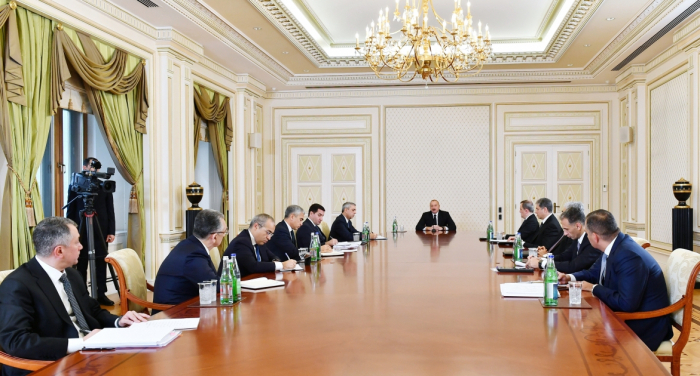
(61, 167)
(555, 207)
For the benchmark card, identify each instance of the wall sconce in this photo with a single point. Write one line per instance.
(626, 135)
(255, 140)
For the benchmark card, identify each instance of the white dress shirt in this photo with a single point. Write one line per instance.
(543, 260)
(278, 265)
(74, 344)
(607, 253)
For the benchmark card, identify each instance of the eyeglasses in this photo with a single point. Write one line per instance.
(220, 232)
(269, 233)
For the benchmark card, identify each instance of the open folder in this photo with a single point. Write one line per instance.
(119, 338)
(260, 283)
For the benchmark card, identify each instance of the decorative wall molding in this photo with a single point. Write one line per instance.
(552, 120)
(634, 226)
(170, 34)
(172, 237)
(328, 124)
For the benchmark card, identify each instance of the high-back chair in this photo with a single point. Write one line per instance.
(683, 267)
(215, 255)
(132, 282)
(325, 229)
(642, 242)
(4, 274)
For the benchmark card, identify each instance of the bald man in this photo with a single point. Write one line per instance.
(436, 219)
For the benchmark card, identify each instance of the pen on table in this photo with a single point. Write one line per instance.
(288, 258)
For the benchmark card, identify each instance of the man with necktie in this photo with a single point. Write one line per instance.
(436, 219)
(580, 254)
(342, 228)
(550, 230)
(251, 253)
(626, 278)
(45, 310)
(284, 242)
(310, 226)
(528, 229)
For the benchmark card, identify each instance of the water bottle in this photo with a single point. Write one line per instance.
(551, 283)
(365, 232)
(517, 248)
(395, 226)
(312, 248)
(225, 283)
(236, 276)
(317, 246)
(489, 231)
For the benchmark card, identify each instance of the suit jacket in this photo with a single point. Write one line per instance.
(248, 263)
(281, 243)
(104, 210)
(444, 219)
(342, 230)
(633, 282)
(575, 258)
(187, 265)
(528, 229)
(549, 232)
(304, 234)
(34, 323)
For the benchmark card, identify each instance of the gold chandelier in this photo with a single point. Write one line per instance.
(420, 49)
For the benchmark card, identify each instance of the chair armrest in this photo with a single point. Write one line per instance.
(150, 287)
(147, 304)
(624, 316)
(26, 364)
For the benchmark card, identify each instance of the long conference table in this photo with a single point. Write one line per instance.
(415, 304)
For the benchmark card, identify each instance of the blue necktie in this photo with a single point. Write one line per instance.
(349, 224)
(602, 269)
(257, 252)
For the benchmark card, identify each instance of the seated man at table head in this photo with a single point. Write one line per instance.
(189, 263)
(284, 242)
(626, 278)
(45, 310)
(342, 228)
(435, 219)
(251, 253)
(580, 254)
(549, 231)
(310, 226)
(528, 229)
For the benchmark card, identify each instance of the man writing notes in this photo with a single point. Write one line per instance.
(549, 231)
(284, 242)
(189, 262)
(626, 278)
(252, 255)
(310, 226)
(528, 229)
(45, 310)
(342, 228)
(580, 254)
(436, 219)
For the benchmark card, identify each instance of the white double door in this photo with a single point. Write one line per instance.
(561, 173)
(329, 176)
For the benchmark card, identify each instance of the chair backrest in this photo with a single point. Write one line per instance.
(642, 242)
(325, 229)
(215, 255)
(4, 274)
(679, 270)
(134, 278)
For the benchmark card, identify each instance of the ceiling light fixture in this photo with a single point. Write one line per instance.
(569, 65)
(257, 28)
(586, 45)
(285, 52)
(419, 49)
(306, 70)
(610, 18)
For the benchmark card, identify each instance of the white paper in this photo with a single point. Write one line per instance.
(260, 283)
(173, 324)
(379, 237)
(520, 263)
(297, 267)
(523, 290)
(349, 244)
(332, 254)
(122, 338)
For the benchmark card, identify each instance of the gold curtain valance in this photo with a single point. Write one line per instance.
(214, 110)
(96, 73)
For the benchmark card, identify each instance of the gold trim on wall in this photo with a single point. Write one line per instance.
(367, 119)
(549, 114)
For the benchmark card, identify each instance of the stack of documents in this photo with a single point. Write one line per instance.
(523, 290)
(260, 283)
(113, 338)
(346, 246)
(332, 254)
(173, 324)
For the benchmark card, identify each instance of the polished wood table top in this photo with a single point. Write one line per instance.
(418, 304)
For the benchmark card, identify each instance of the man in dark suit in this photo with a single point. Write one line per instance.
(251, 253)
(528, 229)
(342, 228)
(45, 312)
(436, 219)
(310, 226)
(104, 213)
(189, 263)
(549, 231)
(580, 254)
(626, 278)
(284, 242)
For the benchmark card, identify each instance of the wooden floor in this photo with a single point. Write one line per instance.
(690, 365)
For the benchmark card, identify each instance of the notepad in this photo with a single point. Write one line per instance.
(260, 283)
(297, 267)
(118, 338)
(332, 254)
(379, 237)
(348, 244)
(173, 324)
(522, 290)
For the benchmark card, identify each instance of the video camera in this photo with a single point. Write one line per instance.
(89, 181)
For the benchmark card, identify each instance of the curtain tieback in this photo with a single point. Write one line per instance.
(134, 197)
(28, 202)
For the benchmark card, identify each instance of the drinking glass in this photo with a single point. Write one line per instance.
(212, 291)
(204, 293)
(303, 252)
(575, 292)
(401, 228)
(356, 237)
